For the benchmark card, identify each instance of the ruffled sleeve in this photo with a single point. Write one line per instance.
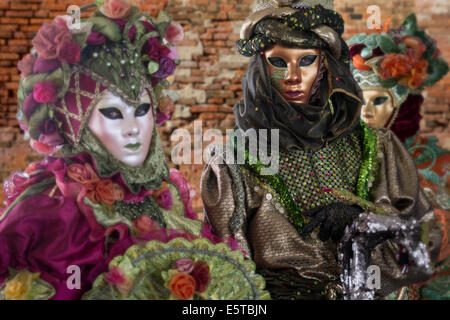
(48, 235)
(397, 190)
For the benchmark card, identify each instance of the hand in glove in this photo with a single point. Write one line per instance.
(332, 220)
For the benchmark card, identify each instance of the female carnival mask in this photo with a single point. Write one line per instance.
(99, 87)
(392, 69)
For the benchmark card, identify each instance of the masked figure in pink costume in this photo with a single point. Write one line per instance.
(96, 91)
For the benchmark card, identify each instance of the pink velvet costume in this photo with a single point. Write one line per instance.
(54, 216)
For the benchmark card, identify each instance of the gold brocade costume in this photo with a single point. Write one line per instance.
(273, 242)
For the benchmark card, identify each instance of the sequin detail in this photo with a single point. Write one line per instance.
(133, 210)
(312, 175)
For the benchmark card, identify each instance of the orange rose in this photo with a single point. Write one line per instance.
(360, 63)
(104, 191)
(395, 65)
(182, 286)
(80, 173)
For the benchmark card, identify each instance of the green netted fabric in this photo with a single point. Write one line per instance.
(150, 174)
(232, 277)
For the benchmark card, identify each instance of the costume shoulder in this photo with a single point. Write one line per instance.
(397, 186)
(227, 195)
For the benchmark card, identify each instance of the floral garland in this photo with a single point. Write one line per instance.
(406, 58)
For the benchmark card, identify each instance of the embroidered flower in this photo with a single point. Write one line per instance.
(44, 92)
(50, 39)
(174, 33)
(182, 286)
(201, 274)
(185, 265)
(25, 65)
(70, 52)
(115, 9)
(19, 286)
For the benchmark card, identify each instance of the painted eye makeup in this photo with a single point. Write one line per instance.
(379, 100)
(308, 60)
(277, 62)
(142, 110)
(111, 113)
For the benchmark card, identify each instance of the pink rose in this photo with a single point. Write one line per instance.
(115, 276)
(116, 9)
(185, 265)
(45, 65)
(25, 65)
(154, 50)
(164, 199)
(44, 92)
(144, 224)
(49, 40)
(70, 52)
(201, 275)
(49, 133)
(42, 147)
(174, 33)
(173, 54)
(64, 21)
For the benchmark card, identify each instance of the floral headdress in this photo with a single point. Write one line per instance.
(404, 60)
(118, 49)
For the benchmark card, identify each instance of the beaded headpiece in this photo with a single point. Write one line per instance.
(118, 49)
(301, 23)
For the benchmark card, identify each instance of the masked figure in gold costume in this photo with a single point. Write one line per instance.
(345, 196)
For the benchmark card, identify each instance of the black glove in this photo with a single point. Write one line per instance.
(332, 219)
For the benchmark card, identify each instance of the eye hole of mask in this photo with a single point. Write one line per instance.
(142, 110)
(111, 113)
(277, 62)
(308, 60)
(379, 100)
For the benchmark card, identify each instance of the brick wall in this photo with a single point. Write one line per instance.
(208, 79)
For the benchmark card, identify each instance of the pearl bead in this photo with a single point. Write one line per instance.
(131, 61)
(108, 64)
(95, 54)
(133, 86)
(122, 61)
